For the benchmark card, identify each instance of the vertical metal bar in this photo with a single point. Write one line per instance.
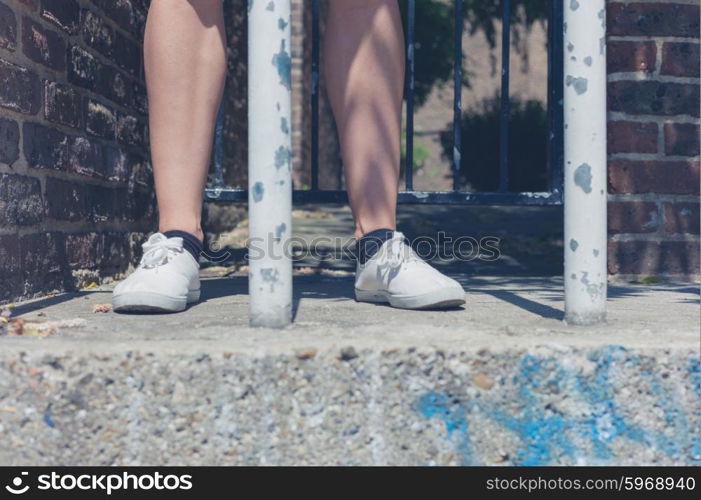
(555, 123)
(505, 98)
(411, 28)
(219, 149)
(585, 161)
(269, 168)
(315, 94)
(457, 96)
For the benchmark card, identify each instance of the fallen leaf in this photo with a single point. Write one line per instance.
(24, 328)
(16, 327)
(307, 353)
(102, 308)
(90, 286)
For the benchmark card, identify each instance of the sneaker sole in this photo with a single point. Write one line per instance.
(439, 299)
(152, 302)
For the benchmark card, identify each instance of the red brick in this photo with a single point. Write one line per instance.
(115, 253)
(63, 104)
(44, 262)
(20, 88)
(681, 218)
(140, 171)
(84, 250)
(129, 130)
(140, 205)
(650, 176)
(100, 120)
(71, 201)
(121, 12)
(10, 268)
(632, 137)
(21, 203)
(633, 217)
(8, 28)
(127, 54)
(653, 257)
(652, 19)
(66, 200)
(115, 85)
(680, 59)
(48, 148)
(9, 141)
(97, 33)
(625, 57)
(681, 139)
(43, 45)
(64, 14)
(653, 98)
(116, 163)
(83, 68)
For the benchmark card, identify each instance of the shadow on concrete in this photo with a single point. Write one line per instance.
(517, 291)
(42, 303)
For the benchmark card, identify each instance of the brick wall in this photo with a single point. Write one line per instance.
(653, 137)
(75, 182)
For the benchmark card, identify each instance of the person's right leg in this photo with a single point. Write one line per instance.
(185, 62)
(364, 67)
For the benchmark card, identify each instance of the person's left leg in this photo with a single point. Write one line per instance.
(364, 68)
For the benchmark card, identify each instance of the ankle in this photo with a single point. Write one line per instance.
(196, 232)
(362, 230)
(370, 243)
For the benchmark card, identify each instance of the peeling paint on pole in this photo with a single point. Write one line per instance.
(269, 173)
(585, 161)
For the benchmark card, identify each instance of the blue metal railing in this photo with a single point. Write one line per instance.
(502, 196)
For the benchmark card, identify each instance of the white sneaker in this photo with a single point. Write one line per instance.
(166, 280)
(396, 275)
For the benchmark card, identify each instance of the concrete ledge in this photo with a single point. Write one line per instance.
(501, 382)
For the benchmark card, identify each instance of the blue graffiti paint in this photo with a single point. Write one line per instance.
(605, 422)
(542, 430)
(48, 419)
(449, 410)
(547, 436)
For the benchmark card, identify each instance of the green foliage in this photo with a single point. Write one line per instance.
(420, 154)
(528, 128)
(433, 49)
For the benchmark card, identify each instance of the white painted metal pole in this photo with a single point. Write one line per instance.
(585, 161)
(269, 157)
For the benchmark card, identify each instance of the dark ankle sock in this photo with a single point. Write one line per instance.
(370, 244)
(190, 242)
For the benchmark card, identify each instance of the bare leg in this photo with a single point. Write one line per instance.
(185, 59)
(364, 70)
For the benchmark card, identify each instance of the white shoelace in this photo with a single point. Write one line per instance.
(158, 248)
(399, 252)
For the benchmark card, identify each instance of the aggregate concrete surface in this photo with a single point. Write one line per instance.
(502, 381)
